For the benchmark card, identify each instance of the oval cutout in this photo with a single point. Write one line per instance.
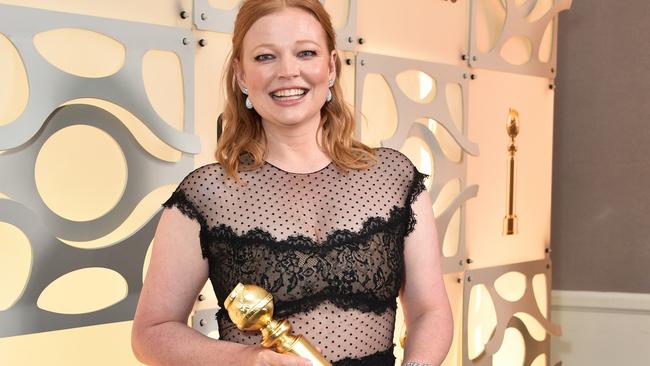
(490, 19)
(417, 86)
(535, 329)
(447, 194)
(511, 286)
(546, 44)
(451, 241)
(82, 291)
(147, 259)
(163, 83)
(145, 136)
(517, 50)
(14, 87)
(454, 94)
(81, 52)
(419, 153)
(540, 291)
(15, 264)
(82, 189)
(540, 360)
(338, 11)
(541, 8)
(512, 351)
(378, 110)
(137, 219)
(481, 320)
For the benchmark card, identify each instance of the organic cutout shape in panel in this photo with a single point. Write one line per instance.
(418, 152)
(81, 52)
(83, 189)
(541, 295)
(14, 88)
(534, 328)
(147, 259)
(512, 351)
(490, 19)
(163, 84)
(82, 291)
(541, 8)
(454, 95)
(417, 86)
(145, 137)
(511, 286)
(338, 11)
(481, 320)
(546, 47)
(516, 23)
(540, 360)
(15, 264)
(49, 87)
(142, 213)
(224, 4)
(446, 196)
(517, 50)
(451, 241)
(506, 311)
(453, 152)
(378, 110)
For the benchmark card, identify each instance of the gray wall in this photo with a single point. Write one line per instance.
(601, 171)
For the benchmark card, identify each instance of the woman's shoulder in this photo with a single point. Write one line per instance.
(392, 159)
(210, 172)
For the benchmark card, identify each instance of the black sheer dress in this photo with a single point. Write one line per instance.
(328, 246)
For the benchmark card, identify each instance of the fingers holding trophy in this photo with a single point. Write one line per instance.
(250, 307)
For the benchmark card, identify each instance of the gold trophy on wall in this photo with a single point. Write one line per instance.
(250, 307)
(510, 220)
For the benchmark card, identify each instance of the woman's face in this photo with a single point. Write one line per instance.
(285, 65)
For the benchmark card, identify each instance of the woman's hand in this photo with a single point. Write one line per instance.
(260, 356)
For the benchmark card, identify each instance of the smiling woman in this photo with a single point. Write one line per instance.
(297, 206)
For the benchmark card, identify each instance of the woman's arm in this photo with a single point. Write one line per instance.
(176, 274)
(429, 323)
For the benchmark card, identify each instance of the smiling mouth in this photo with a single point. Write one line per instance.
(289, 94)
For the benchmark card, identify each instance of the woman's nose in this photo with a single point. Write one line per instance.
(289, 67)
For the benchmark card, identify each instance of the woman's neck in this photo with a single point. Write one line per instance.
(296, 148)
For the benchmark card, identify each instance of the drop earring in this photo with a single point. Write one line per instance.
(329, 91)
(249, 104)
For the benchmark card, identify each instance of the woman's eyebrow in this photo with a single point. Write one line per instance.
(298, 42)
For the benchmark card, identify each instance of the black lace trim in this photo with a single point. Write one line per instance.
(337, 238)
(186, 207)
(416, 187)
(382, 358)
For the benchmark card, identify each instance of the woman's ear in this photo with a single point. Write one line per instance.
(332, 73)
(239, 74)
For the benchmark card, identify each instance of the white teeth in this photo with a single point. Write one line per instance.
(288, 92)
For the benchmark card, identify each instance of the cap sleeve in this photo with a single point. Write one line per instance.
(187, 197)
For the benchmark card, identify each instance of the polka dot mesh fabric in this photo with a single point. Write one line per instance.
(327, 245)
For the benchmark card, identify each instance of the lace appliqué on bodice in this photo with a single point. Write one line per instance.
(328, 246)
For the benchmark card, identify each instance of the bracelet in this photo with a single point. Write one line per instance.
(415, 364)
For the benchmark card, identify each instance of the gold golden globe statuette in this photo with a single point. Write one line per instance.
(250, 307)
(510, 220)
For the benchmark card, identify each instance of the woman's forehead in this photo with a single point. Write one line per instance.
(285, 27)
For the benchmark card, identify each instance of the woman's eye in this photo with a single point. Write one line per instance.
(307, 53)
(264, 57)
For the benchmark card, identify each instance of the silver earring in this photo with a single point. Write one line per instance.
(249, 104)
(329, 91)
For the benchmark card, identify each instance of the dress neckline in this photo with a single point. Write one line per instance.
(295, 173)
